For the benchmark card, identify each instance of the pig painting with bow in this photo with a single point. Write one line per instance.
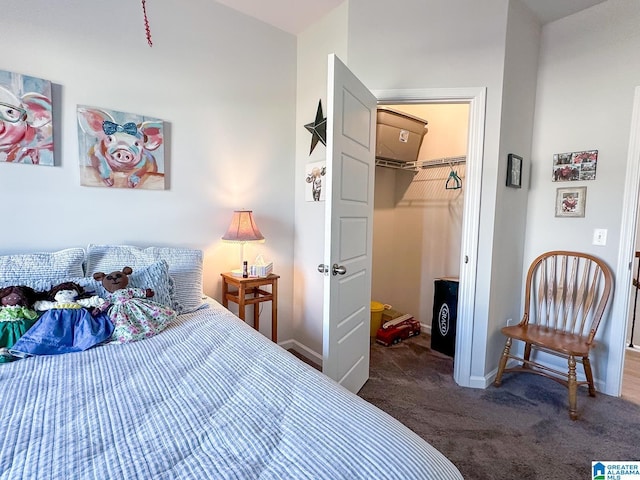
(26, 133)
(120, 150)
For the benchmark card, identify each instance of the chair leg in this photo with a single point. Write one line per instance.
(527, 355)
(503, 362)
(573, 389)
(589, 374)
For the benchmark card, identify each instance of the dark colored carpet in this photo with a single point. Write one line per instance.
(521, 430)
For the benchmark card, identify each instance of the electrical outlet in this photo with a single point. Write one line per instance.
(600, 236)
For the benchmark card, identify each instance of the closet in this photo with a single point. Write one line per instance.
(418, 211)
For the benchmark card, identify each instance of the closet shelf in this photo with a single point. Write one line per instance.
(412, 166)
(443, 161)
(415, 166)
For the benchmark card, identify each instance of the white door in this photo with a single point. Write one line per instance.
(351, 130)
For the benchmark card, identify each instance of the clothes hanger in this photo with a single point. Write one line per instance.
(453, 181)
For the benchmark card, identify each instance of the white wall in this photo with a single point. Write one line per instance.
(588, 71)
(518, 100)
(417, 221)
(329, 35)
(225, 85)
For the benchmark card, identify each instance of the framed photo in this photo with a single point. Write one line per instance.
(574, 166)
(570, 202)
(514, 171)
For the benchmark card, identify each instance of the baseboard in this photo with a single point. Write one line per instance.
(286, 344)
(316, 357)
(475, 381)
(425, 328)
(480, 382)
(302, 350)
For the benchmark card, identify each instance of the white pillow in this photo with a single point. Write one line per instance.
(185, 267)
(41, 266)
(155, 276)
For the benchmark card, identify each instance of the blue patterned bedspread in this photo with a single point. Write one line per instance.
(208, 398)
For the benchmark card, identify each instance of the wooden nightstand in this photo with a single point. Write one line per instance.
(252, 287)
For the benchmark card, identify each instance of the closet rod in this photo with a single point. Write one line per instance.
(443, 161)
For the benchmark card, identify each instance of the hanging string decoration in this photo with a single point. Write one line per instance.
(146, 23)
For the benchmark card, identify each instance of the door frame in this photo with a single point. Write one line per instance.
(621, 300)
(476, 98)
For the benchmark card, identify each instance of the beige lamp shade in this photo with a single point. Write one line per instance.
(243, 228)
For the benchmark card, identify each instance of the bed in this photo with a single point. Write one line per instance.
(208, 397)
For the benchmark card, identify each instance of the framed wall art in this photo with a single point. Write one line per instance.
(314, 172)
(573, 166)
(26, 119)
(514, 171)
(570, 202)
(120, 150)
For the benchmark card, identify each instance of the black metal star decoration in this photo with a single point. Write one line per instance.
(318, 128)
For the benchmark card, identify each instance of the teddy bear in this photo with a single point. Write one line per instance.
(134, 316)
(16, 317)
(66, 324)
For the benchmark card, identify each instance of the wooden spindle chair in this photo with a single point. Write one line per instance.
(566, 296)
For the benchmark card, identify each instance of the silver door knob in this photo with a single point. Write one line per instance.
(322, 268)
(338, 269)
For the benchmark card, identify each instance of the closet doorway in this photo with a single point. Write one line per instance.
(419, 211)
(631, 370)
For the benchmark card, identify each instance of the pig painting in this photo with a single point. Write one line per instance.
(26, 133)
(120, 150)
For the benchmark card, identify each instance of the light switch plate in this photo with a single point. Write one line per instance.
(600, 236)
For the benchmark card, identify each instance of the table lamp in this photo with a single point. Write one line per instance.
(242, 229)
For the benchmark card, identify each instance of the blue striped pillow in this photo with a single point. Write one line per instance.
(185, 268)
(155, 276)
(20, 268)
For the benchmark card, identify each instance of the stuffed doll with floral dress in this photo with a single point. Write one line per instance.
(67, 324)
(16, 317)
(134, 316)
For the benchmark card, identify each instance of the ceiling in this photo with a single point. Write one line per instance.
(294, 16)
(550, 10)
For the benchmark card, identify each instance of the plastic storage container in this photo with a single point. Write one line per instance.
(376, 317)
(398, 135)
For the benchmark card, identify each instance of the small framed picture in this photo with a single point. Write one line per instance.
(570, 202)
(514, 171)
(313, 175)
